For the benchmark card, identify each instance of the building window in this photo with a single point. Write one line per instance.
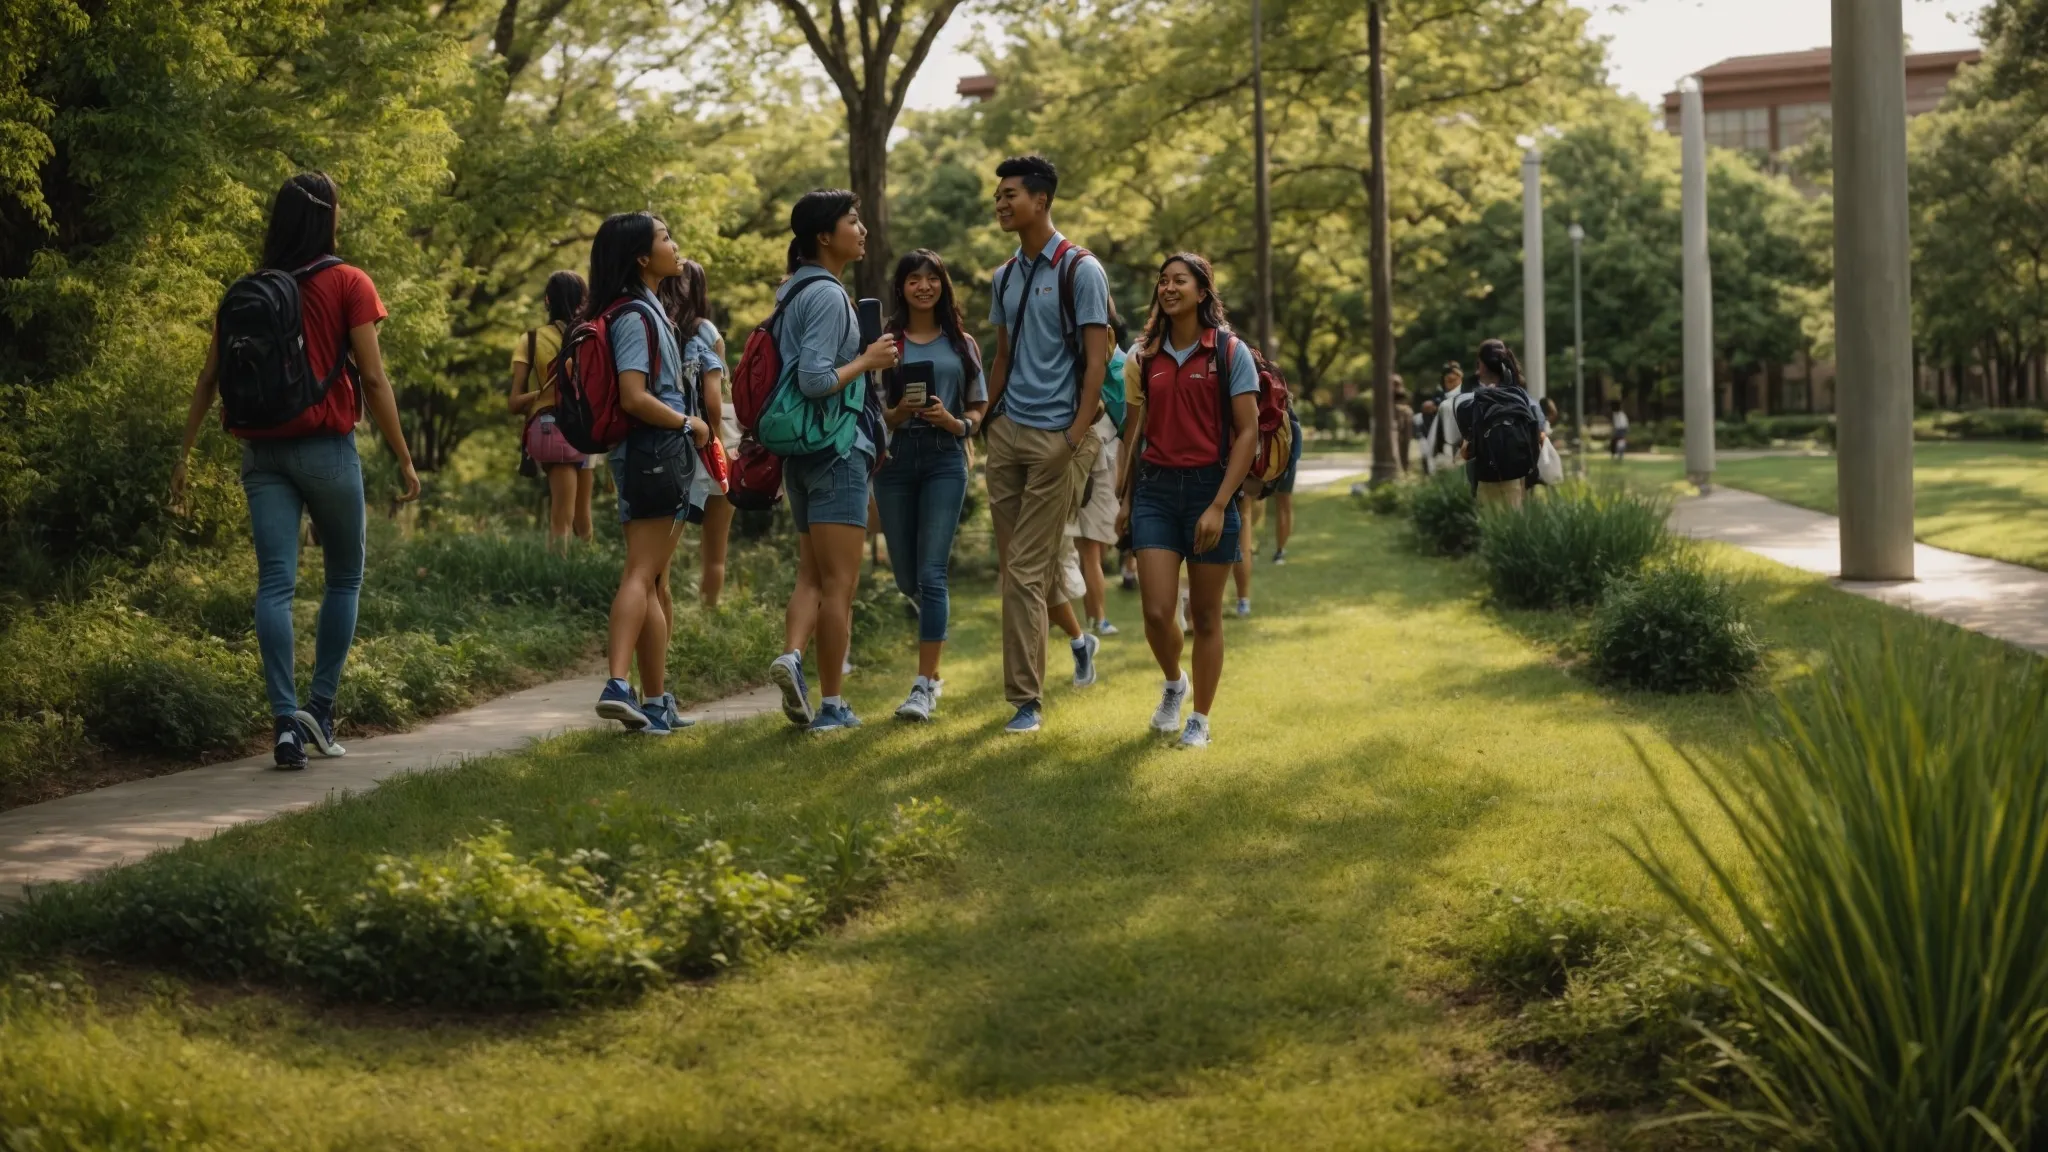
(1748, 129)
(1796, 122)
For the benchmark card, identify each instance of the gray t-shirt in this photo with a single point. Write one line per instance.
(949, 373)
(629, 354)
(1044, 381)
(820, 335)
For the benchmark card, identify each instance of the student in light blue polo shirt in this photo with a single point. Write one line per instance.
(1051, 315)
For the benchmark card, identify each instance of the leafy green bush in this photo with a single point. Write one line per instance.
(1444, 514)
(645, 895)
(1881, 919)
(1565, 546)
(1984, 424)
(1385, 499)
(1676, 628)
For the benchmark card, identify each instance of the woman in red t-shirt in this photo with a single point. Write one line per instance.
(1187, 460)
(307, 465)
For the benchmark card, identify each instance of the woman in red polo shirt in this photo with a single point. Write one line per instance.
(307, 463)
(1190, 446)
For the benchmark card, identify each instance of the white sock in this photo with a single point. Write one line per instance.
(798, 653)
(1203, 717)
(1078, 642)
(625, 685)
(835, 701)
(925, 682)
(1178, 684)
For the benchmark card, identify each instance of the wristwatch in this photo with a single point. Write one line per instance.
(967, 428)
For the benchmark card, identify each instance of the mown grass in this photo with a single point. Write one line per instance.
(1251, 947)
(1986, 498)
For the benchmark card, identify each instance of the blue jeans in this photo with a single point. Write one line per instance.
(919, 492)
(322, 476)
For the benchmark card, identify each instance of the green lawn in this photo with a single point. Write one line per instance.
(1984, 497)
(1250, 947)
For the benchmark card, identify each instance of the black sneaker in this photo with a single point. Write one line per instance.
(290, 752)
(316, 721)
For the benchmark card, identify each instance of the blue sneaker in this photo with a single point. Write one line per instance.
(833, 717)
(1084, 659)
(657, 720)
(664, 705)
(788, 674)
(290, 752)
(617, 702)
(317, 718)
(1026, 720)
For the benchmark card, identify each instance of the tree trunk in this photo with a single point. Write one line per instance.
(1262, 240)
(867, 151)
(1385, 465)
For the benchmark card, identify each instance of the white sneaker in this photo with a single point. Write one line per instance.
(1167, 717)
(1105, 628)
(1084, 660)
(1196, 735)
(919, 706)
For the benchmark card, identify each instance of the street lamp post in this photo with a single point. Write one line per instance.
(1578, 236)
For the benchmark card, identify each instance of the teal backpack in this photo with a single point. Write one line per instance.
(1113, 388)
(792, 424)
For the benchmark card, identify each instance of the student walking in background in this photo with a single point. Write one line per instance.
(1617, 441)
(819, 344)
(686, 297)
(923, 485)
(1248, 539)
(569, 472)
(654, 469)
(1050, 309)
(1092, 531)
(1281, 493)
(295, 361)
(1498, 428)
(1187, 467)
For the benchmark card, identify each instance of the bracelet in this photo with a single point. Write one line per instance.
(969, 426)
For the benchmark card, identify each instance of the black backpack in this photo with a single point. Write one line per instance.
(1503, 431)
(265, 376)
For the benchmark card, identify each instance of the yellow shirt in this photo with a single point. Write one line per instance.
(547, 341)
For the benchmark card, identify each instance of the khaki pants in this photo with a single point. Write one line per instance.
(1505, 493)
(1034, 487)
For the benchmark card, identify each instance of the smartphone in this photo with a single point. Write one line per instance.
(917, 383)
(870, 321)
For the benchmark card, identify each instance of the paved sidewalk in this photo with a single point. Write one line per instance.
(2007, 601)
(78, 835)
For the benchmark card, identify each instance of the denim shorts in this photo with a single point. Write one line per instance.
(1167, 505)
(667, 507)
(826, 488)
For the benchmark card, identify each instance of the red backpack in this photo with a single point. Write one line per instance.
(756, 477)
(1276, 429)
(587, 408)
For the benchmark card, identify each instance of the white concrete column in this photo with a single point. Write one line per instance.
(1533, 349)
(1699, 289)
(1873, 301)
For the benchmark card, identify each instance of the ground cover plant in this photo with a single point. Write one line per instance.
(1444, 515)
(1986, 498)
(1677, 627)
(1134, 948)
(1880, 920)
(1566, 545)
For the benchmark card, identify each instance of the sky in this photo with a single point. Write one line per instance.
(1651, 42)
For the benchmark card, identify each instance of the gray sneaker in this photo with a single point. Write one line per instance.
(1167, 717)
(920, 704)
(1196, 735)
(1084, 660)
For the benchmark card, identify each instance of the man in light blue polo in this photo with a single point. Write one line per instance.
(1051, 315)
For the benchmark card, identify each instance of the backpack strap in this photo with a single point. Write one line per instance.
(1070, 328)
(342, 352)
(1225, 352)
(645, 311)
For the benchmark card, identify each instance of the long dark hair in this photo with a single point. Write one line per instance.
(615, 258)
(1209, 312)
(302, 222)
(1496, 355)
(686, 298)
(814, 214)
(946, 311)
(564, 296)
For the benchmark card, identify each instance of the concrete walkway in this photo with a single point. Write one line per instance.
(78, 835)
(2007, 601)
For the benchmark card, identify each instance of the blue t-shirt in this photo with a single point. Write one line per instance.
(1044, 381)
(629, 354)
(949, 373)
(820, 335)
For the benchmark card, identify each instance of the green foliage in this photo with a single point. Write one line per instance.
(1389, 499)
(1565, 546)
(1675, 628)
(1984, 424)
(1444, 514)
(485, 925)
(1882, 921)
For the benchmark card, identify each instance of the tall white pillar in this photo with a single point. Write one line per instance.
(1699, 289)
(1533, 350)
(1873, 302)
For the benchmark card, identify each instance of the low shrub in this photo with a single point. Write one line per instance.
(1565, 546)
(1389, 499)
(1878, 917)
(646, 896)
(1676, 628)
(1445, 514)
(1984, 424)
